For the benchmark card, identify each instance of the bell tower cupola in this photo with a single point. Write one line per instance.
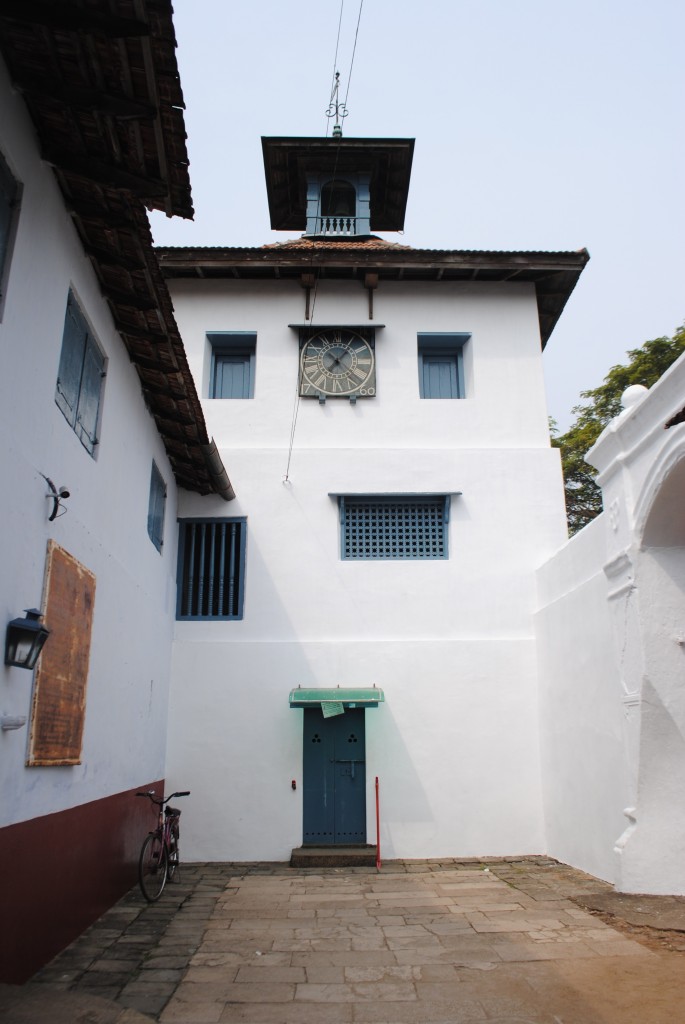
(337, 188)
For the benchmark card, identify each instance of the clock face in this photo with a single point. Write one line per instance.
(337, 362)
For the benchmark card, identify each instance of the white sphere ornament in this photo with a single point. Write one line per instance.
(632, 395)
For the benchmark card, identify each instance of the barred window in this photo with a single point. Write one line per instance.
(397, 526)
(211, 568)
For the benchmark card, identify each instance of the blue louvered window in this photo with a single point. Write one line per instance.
(211, 568)
(394, 526)
(80, 376)
(233, 365)
(441, 365)
(156, 507)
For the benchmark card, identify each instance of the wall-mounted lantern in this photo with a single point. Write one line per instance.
(25, 639)
(55, 495)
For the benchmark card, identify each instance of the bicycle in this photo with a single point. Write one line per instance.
(159, 856)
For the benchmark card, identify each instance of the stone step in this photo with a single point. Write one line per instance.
(333, 857)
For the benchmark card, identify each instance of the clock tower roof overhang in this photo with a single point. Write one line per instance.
(288, 161)
(553, 274)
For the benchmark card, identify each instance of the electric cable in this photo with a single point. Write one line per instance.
(296, 407)
(354, 50)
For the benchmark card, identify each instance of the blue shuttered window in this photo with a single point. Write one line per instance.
(394, 526)
(211, 568)
(9, 207)
(233, 365)
(441, 365)
(80, 376)
(156, 507)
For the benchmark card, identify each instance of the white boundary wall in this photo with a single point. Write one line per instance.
(612, 668)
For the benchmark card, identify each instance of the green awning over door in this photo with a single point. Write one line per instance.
(349, 697)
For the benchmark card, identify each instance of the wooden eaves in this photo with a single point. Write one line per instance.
(553, 274)
(101, 83)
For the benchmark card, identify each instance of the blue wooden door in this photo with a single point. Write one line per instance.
(334, 768)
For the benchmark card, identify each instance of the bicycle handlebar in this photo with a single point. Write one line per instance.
(160, 803)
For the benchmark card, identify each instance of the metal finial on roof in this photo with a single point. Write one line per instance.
(336, 109)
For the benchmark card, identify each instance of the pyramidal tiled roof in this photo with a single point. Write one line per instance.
(369, 243)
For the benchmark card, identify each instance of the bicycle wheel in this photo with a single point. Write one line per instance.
(152, 867)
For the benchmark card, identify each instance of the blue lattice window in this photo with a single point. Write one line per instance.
(211, 568)
(394, 526)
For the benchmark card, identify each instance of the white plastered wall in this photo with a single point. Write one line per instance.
(451, 642)
(583, 703)
(105, 525)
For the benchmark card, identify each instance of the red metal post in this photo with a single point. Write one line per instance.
(378, 829)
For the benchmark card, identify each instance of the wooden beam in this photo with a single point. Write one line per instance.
(154, 366)
(62, 14)
(134, 331)
(104, 173)
(115, 104)
(112, 257)
(133, 300)
(99, 212)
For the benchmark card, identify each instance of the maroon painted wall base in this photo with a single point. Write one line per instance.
(60, 872)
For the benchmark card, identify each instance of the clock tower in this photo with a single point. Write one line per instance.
(338, 191)
(383, 413)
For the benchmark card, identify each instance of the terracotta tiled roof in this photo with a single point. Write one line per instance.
(101, 84)
(553, 275)
(338, 244)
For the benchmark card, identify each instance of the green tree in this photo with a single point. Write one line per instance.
(645, 366)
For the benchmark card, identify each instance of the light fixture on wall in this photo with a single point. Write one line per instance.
(55, 495)
(24, 640)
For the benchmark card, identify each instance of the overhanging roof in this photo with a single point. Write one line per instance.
(287, 161)
(349, 697)
(100, 81)
(553, 274)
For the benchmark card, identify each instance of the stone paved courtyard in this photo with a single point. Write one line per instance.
(499, 941)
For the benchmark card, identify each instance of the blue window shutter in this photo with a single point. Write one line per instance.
(441, 365)
(71, 362)
(233, 364)
(9, 196)
(79, 378)
(156, 507)
(440, 376)
(231, 376)
(89, 397)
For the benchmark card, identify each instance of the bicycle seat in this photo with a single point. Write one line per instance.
(172, 810)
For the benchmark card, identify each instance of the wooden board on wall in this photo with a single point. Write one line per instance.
(59, 692)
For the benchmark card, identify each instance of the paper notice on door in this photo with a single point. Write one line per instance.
(331, 708)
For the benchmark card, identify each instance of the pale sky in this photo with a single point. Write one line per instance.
(539, 125)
